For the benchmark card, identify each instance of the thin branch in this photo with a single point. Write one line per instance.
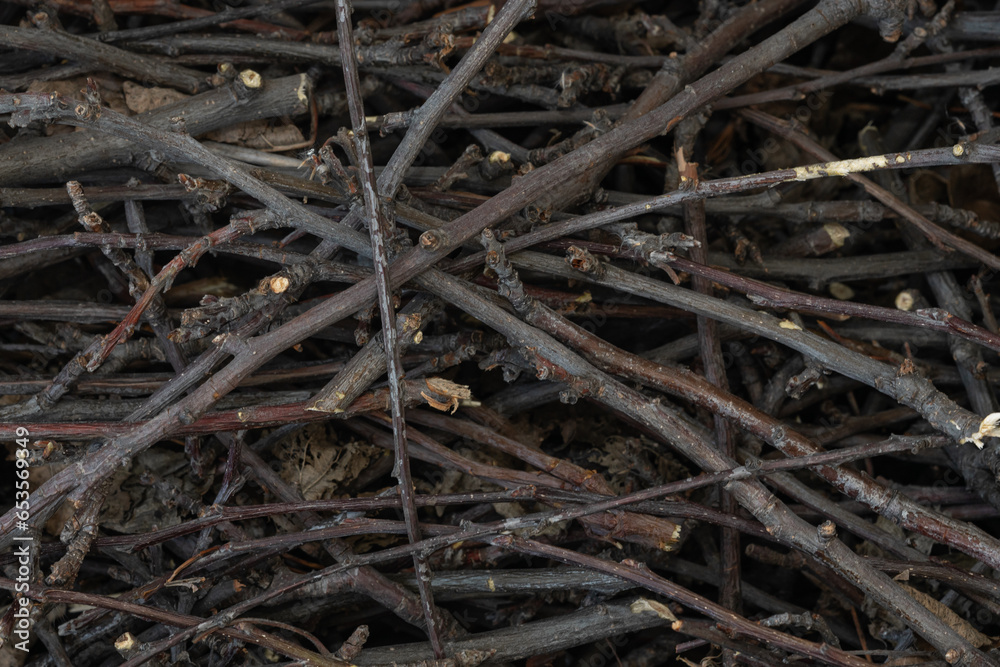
(381, 230)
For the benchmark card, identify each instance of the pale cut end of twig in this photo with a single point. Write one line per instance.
(432, 239)
(905, 300)
(126, 644)
(838, 234)
(672, 542)
(663, 611)
(279, 284)
(988, 428)
(302, 92)
(251, 79)
(841, 291)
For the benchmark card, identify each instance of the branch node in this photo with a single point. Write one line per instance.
(890, 15)
(827, 531)
(433, 239)
(581, 260)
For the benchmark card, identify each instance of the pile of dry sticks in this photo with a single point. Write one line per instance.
(536, 332)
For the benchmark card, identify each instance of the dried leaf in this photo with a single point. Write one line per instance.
(140, 99)
(258, 134)
(135, 507)
(318, 465)
(954, 621)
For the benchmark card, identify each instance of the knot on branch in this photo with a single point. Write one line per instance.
(250, 222)
(225, 73)
(439, 45)
(76, 196)
(569, 396)
(469, 159)
(742, 246)
(433, 239)
(547, 369)
(651, 247)
(91, 107)
(936, 314)
(798, 385)
(583, 261)
(218, 314)
(511, 363)
(509, 284)
(504, 541)
(890, 15)
(209, 194)
(409, 326)
(580, 79)
(187, 417)
(600, 123)
(330, 170)
(30, 108)
(473, 657)
(634, 564)
(178, 124)
(352, 647)
(826, 531)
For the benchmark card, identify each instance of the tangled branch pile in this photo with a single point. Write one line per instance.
(572, 332)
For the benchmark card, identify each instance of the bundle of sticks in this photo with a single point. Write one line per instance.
(572, 332)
